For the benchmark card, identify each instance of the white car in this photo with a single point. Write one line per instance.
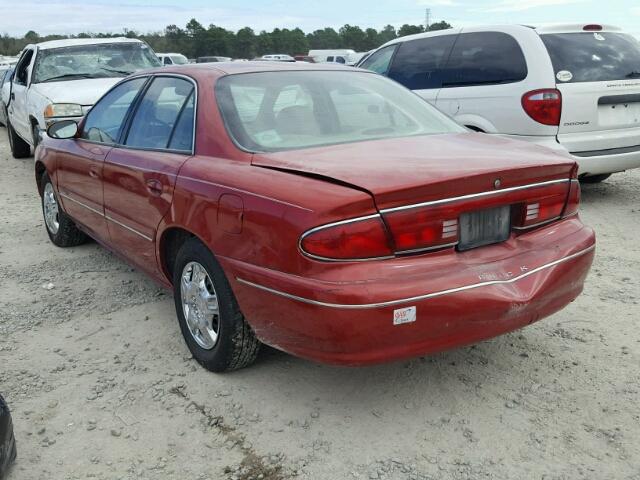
(572, 88)
(172, 59)
(62, 79)
(5, 91)
(279, 57)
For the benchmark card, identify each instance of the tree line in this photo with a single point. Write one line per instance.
(196, 40)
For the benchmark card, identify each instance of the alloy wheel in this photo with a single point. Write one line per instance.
(200, 305)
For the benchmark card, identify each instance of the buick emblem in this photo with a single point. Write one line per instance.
(497, 183)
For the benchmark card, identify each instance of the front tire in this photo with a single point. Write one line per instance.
(19, 148)
(595, 178)
(211, 322)
(61, 229)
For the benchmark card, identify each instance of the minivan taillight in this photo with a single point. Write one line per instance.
(357, 239)
(544, 106)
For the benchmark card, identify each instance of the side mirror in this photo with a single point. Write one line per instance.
(63, 129)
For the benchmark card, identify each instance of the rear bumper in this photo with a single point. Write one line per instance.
(460, 298)
(593, 162)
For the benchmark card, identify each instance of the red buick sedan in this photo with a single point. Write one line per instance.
(325, 211)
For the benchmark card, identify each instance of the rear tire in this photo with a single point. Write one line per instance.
(216, 332)
(595, 178)
(19, 148)
(61, 229)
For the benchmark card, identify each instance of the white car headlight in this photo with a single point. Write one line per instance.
(63, 110)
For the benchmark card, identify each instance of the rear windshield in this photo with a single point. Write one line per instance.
(593, 56)
(275, 111)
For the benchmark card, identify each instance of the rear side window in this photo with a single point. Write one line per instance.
(484, 58)
(158, 113)
(379, 61)
(418, 63)
(593, 56)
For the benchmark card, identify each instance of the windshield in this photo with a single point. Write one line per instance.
(179, 59)
(275, 111)
(593, 56)
(92, 61)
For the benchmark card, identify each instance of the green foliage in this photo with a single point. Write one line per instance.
(194, 40)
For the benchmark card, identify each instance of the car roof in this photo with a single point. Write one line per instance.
(70, 42)
(231, 68)
(550, 28)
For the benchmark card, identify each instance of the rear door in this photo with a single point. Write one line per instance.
(482, 81)
(418, 64)
(140, 174)
(598, 74)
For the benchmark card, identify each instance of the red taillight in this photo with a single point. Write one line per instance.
(573, 200)
(544, 106)
(592, 27)
(349, 240)
(547, 205)
(423, 229)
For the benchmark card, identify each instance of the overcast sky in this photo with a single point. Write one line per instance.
(73, 16)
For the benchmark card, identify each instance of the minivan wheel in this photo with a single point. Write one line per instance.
(595, 178)
(61, 229)
(213, 326)
(19, 148)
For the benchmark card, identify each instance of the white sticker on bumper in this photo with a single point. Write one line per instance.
(404, 315)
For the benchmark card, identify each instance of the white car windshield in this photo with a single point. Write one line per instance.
(274, 111)
(179, 59)
(92, 61)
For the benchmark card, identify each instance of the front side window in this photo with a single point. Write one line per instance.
(158, 113)
(100, 60)
(275, 111)
(484, 58)
(104, 122)
(22, 69)
(418, 63)
(593, 56)
(379, 61)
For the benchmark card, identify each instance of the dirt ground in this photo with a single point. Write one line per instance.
(102, 385)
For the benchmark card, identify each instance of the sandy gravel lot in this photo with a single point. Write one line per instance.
(102, 386)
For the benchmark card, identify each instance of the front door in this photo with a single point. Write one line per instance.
(140, 175)
(80, 168)
(19, 116)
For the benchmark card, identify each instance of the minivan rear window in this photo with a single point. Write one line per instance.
(593, 56)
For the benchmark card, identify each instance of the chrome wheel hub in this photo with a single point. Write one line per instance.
(50, 207)
(200, 305)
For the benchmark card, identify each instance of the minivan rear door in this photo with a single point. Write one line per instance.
(598, 74)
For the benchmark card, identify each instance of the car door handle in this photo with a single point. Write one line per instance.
(93, 172)
(154, 187)
(13, 96)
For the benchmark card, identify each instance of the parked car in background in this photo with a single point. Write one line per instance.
(280, 57)
(341, 55)
(304, 58)
(5, 91)
(7, 62)
(63, 78)
(213, 59)
(572, 88)
(172, 59)
(7, 439)
(319, 209)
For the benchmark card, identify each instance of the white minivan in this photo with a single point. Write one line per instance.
(573, 88)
